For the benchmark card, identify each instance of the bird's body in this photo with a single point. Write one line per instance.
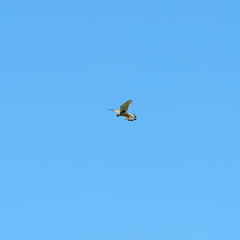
(123, 111)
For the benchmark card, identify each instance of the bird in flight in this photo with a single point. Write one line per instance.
(123, 111)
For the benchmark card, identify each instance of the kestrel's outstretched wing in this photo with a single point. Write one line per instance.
(124, 107)
(130, 117)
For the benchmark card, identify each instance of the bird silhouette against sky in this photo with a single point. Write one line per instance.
(123, 111)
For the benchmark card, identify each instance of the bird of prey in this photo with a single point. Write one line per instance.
(123, 111)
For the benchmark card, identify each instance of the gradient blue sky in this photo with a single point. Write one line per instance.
(69, 169)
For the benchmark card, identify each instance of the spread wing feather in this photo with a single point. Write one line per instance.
(124, 107)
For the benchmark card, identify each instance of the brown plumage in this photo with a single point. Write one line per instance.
(123, 111)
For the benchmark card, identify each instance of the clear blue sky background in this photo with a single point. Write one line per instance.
(70, 169)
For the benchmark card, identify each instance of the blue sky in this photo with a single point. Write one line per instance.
(69, 169)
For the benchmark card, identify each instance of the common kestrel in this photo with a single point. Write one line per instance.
(123, 111)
